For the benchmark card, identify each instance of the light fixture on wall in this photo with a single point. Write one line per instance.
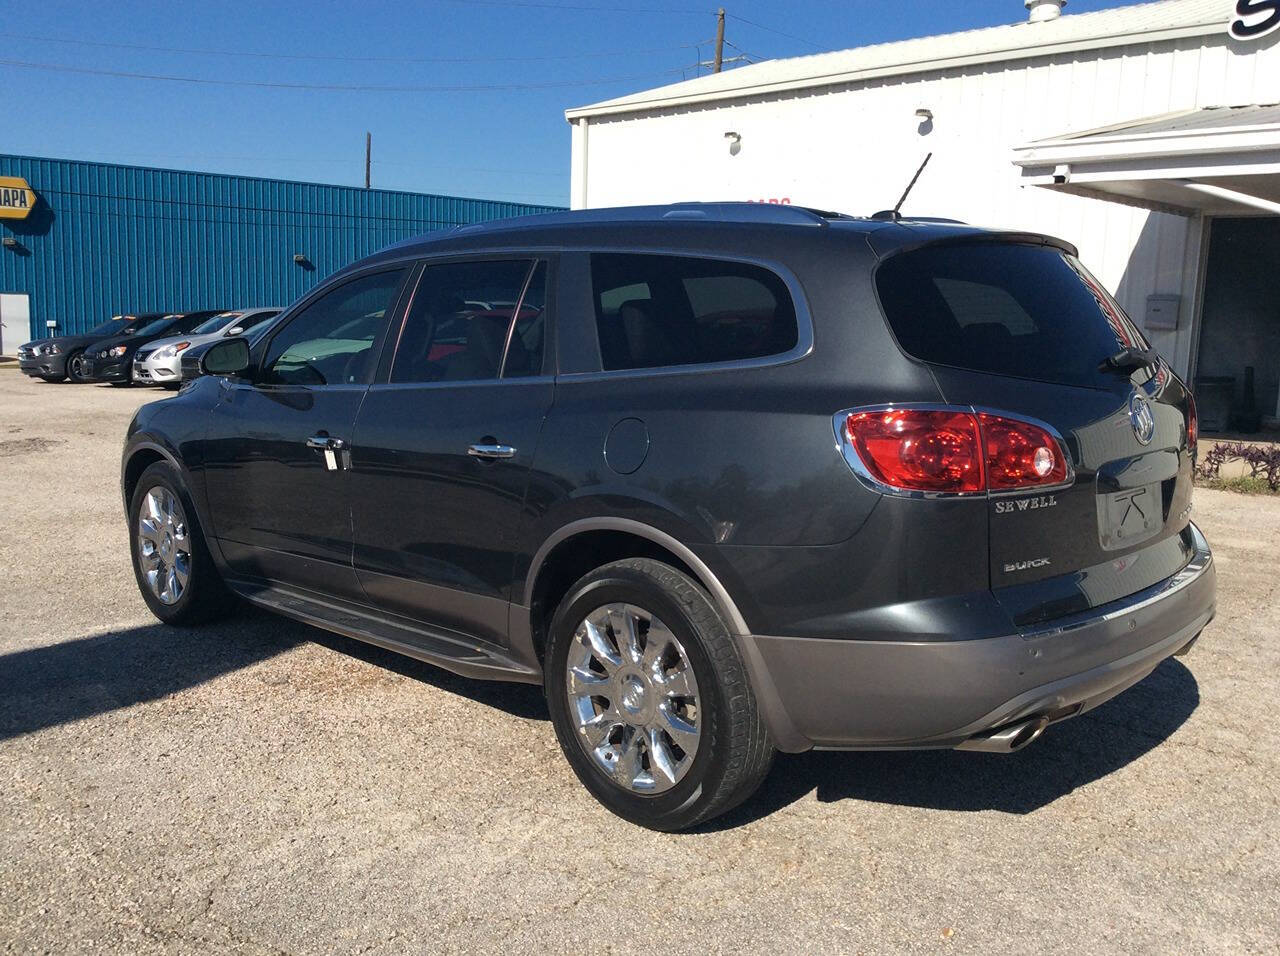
(735, 142)
(925, 116)
(10, 242)
(300, 259)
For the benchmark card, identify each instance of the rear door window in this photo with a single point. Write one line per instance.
(1015, 309)
(460, 324)
(657, 311)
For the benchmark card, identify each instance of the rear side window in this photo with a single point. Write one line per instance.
(1010, 309)
(657, 311)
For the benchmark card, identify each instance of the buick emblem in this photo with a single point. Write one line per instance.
(1142, 418)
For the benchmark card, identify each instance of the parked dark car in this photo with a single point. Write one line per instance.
(62, 357)
(725, 479)
(111, 359)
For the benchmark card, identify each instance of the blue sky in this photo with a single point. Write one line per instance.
(509, 142)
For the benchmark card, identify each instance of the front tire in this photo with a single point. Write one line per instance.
(75, 368)
(649, 697)
(171, 562)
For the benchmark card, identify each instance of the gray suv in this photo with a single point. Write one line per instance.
(725, 479)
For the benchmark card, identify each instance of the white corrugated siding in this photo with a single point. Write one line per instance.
(854, 147)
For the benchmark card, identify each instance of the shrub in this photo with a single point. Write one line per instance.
(1263, 461)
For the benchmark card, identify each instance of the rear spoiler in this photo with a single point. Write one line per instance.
(891, 241)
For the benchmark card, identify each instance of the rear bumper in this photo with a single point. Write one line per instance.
(871, 694)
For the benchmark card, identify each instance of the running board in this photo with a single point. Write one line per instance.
(447, 649)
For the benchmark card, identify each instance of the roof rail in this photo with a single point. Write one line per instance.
(744, 212)
(747, 212)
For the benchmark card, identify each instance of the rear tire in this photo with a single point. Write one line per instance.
(663, 727)
(171, 562)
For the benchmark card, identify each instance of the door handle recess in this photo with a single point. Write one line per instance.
(491, 452)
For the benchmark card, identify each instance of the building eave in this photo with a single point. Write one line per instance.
(680, 94)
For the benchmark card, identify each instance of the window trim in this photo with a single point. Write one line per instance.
(421, 265)
(287, 317)
(800, 305)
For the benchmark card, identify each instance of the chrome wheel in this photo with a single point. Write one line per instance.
(633, 698)
(164, 544)
(75, 369)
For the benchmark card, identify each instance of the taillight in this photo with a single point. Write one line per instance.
(1020, 454)
(951, 451)
(918, 449)
(1193, 425)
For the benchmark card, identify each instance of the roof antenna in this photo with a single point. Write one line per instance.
(895, 213)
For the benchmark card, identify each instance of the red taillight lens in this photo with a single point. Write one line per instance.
(1020, 454)
(919, 449)
(1193, 425)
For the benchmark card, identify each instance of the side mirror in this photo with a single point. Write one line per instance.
(225, 358)
(235, 330)
(229, 357)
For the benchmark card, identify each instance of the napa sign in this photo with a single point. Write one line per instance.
(17, 199)
(1254, 19)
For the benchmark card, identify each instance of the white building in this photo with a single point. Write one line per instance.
(1147, 135)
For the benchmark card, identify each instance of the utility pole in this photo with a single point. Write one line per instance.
(368, 157)
(719, 41)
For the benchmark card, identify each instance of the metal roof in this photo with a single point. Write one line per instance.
(1207, 118)
(1142, 23)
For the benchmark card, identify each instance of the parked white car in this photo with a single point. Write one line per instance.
(160, 362)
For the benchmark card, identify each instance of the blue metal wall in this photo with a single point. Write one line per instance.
(107, 239)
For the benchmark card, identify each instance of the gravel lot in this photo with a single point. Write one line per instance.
(260, 786)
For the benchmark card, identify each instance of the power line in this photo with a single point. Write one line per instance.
(339, 58)
(332, 87)
(789, 36)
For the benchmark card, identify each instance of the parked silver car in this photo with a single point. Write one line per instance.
(160, 362)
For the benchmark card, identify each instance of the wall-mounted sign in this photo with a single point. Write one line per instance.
(1255, 19)
(17, 199)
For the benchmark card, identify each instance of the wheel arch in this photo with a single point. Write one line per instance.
(141, 456)
(588, 543)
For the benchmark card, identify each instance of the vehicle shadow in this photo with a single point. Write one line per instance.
(47, 686)
(56, 684)
(519, 700)
(1069, 755)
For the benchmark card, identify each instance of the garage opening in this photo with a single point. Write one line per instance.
(1238, 372)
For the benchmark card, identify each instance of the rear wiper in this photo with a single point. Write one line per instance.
(1129, 360)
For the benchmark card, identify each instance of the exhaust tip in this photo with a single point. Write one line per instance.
(1007, 739)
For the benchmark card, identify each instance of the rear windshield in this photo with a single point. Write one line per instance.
(1028, 311)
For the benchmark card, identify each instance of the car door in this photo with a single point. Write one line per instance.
(443, 445)
(277, 450)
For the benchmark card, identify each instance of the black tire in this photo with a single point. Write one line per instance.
(72, 366)
(205, 597)
(734, 752)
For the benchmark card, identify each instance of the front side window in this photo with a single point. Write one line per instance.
(459, 326)
(656, 311)
(331, 341)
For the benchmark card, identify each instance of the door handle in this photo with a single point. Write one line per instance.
(491, 452)
(330, 446)
(323, 442)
